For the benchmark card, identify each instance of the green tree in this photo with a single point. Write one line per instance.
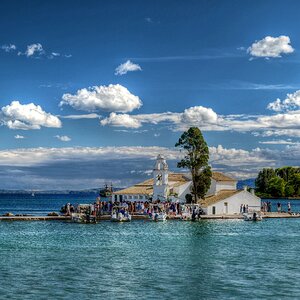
(295, 180)
(188, 198)
(289, 190)
(196, 160)
(276, 187)
(263, 178)
(285, 173)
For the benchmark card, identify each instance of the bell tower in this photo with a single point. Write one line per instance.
(160, 179)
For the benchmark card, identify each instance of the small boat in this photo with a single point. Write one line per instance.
(186, 216)
(254, 216)
(159, 216)
(83, 218)
(191, 212)
(120, 214)
(158, 213)
(77, 218)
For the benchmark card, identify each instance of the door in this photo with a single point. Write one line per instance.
(213, 210)
(225, 208)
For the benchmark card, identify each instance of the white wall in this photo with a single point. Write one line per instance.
(212, 189)
(132, 198)
(225, 185)
(217, 186)
(234, 204)
(184, 189)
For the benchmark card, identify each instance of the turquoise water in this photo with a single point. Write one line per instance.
(219, 259)
(40, 204)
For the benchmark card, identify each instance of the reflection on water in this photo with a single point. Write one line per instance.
(171, 260)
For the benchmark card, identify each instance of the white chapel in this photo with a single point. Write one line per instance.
(223, 197)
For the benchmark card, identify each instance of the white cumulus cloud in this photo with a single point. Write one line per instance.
(63, 138)
(121, 120)
(198, 115)
(111, 98)
(27, 116)
(128, 66)
(9, 47)
(34, 49)
(19, 137)
(291, 102)
(271, 47)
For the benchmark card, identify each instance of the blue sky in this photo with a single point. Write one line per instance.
(218, 65)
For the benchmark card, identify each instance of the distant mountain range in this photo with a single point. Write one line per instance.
(52, 192)
(95, 191)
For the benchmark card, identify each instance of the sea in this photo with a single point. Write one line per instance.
(210, 259)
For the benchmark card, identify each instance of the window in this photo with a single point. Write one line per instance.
(130, 197)
(213, 210)
(141, 197)
(125, 197)
(135, 197)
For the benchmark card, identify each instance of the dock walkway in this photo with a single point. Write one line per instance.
(269, 215)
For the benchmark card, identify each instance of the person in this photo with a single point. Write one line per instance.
(241, 209)
(68, 211)
(289, 207)
(278, 207)
(244, 208)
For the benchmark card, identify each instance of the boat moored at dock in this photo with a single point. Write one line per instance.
(120, 214)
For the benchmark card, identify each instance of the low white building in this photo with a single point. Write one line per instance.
(230, 202)
(221, 198)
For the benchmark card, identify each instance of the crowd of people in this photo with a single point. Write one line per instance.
(267, 207)
(244, 209)
(99, 208)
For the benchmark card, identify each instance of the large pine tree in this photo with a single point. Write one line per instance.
(196, 160)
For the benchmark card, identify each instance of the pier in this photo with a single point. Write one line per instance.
(269, 215)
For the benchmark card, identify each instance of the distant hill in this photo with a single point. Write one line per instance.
(92, 191)
(248, 182)
(95, 191)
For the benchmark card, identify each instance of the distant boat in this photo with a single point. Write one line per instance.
(106, 191)
(32, 194)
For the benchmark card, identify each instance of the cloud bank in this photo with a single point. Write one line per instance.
(57, 168)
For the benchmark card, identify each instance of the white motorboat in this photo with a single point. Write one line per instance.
(120, 214)
(186, 216)
(83, 218)
(190, 212)
(78, 218)
(158, 213)
(253, 216)
(159, 216)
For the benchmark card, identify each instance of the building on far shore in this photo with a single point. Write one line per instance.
(221, 198)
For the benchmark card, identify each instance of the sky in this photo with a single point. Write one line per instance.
(92, 91)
